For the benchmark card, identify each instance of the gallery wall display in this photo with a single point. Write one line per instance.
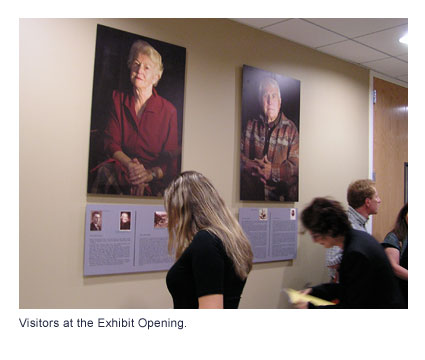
(125, 239)
(134, 238)
(269, 136)
(137, 114)
(272, 232)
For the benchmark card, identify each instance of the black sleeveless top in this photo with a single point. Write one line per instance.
(204, 269)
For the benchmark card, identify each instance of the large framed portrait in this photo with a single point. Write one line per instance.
(269, 137)
(137, 114)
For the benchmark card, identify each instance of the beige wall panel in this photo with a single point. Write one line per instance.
(56, 73)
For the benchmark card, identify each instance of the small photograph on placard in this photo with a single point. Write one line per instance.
(96, 220)
(160, 220)
(293, 214)
(125, 220)
(263, 214)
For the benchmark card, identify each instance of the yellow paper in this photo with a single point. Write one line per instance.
(295, 296)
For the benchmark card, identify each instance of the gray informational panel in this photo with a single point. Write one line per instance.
(273, 232)
(125, 239)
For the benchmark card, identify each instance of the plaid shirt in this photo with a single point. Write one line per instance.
(280, 143)
(358, 221)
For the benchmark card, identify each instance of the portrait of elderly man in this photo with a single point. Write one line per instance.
(140, 138)
(269, 150)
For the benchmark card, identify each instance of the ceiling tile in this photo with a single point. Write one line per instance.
(352, 51)
(403, 78)
(304, 33)
(259, 23)
(389, 66)
(379, 50)
(387, 40)
(403, 57)
(357, 27)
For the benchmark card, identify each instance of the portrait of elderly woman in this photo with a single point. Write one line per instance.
(140, 134)
(270, 137)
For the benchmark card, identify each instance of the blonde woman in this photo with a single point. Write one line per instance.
(213, 255)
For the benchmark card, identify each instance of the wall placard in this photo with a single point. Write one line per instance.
(125, 239)
(273, 232)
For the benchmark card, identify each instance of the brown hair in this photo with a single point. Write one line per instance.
(400, 227)
(358, 191)
(325, 217)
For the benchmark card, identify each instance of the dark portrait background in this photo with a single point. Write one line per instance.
(252, 187)
(111, 72)
(289, 91)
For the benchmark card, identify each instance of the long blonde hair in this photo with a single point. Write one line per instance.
(193, 204)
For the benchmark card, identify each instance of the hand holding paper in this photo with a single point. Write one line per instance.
(297, 297)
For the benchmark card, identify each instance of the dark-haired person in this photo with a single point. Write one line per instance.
(363, 201)
(366, 277)
(395, 244)
(213, 255)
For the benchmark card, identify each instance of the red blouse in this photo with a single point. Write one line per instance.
(152, 139)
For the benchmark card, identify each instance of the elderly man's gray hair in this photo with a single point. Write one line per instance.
(267, 81)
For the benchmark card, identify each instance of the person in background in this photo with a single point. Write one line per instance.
(366, 276)
(141, 137)
(395, 244)
(269, 151)
(363, 201)
(213, 255)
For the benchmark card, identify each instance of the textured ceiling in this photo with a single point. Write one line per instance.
(371, 43)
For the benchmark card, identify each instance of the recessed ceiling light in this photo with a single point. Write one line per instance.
(404, 39)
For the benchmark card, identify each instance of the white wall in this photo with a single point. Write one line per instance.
(56, 73)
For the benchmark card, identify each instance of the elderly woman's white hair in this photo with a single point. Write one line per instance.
(142, 47)
(267, 81)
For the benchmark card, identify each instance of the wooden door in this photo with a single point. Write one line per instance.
(390, 137)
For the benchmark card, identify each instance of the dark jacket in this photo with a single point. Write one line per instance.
(366, 279)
